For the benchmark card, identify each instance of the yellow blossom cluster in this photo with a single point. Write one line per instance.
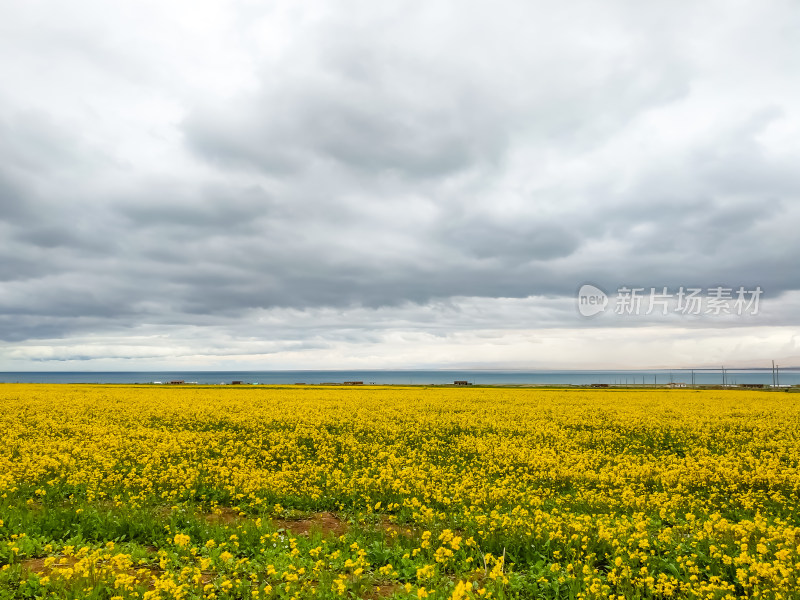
(462, 493)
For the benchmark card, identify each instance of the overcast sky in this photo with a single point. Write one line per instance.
(225, 185)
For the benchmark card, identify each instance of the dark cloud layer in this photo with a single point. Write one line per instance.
(391, 159)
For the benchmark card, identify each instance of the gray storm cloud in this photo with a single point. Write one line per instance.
(191, 169)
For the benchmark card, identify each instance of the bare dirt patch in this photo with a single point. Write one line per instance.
(33, 565)
(37, 565)
(382, 590)
(141, 573)
(393, 530)
(223, 516)
(324, 522)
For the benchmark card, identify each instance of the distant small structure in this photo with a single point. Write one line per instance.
(676, 385)
(237, 382)
(176, 382)
(753, 385)
(461, 382)
(599, 385)
(353, 383)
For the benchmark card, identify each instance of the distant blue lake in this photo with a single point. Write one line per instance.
(421, 377)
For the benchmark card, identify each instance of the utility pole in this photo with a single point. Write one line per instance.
(773, 374)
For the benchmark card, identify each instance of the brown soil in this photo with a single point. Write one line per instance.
(395, 530)
(36, 565)
(33, 565)
(223, 516)
(382, 590)
(323, 522)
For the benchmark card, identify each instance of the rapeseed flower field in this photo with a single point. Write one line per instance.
(147, 492)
